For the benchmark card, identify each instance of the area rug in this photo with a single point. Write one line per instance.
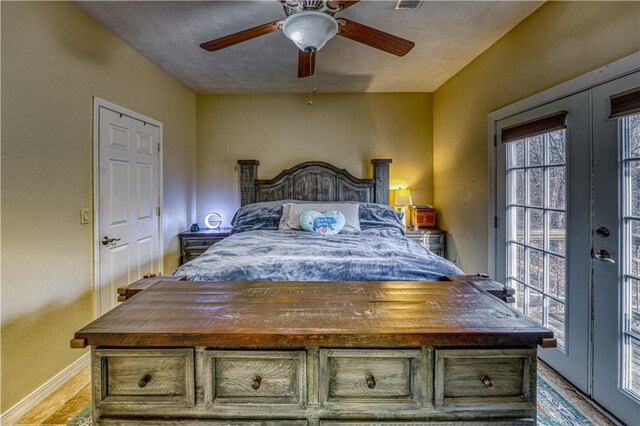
(553, 410)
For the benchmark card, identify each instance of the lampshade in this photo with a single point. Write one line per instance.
(310, 30)
(402, 197)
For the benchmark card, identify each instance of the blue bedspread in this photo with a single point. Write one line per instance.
(287, 255)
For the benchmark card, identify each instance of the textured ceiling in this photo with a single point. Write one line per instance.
(448, 35)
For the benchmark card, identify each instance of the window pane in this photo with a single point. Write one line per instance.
(634, 294)
(516, 187)
(536, 228)
(634, 249)
(536, 150)
(515, 154)
(557, 232)
(555, 320)
(520, 297)
(536, 187)
(555, 147)
(634, 135)
(535, 305)
(516, 228)
(516, 267)
(634, 366)
(536, 269)
(634, 186)
(557, 187)
(557, 276)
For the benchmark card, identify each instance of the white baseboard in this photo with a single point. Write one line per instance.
(14, 413)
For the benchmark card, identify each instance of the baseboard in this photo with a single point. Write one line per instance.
(14, 413)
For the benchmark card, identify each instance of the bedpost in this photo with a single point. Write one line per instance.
(381, 176)
(248, 175)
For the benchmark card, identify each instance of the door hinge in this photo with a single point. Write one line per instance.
(158, 146)
(495, 222)
(495, 140)
(158, 211)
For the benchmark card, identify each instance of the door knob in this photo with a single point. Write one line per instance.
(602, 256)
(603, 232)
(107, 240)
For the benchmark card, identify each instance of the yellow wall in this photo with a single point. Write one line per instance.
(347, 130)
(559, 41)
(54, 60)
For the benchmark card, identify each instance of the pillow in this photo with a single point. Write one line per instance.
(264, 215)
(327, 223)
(376, 216)
(291, 213)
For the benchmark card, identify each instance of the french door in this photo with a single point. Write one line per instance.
(616, 307)
(568, 236)
(543, 223)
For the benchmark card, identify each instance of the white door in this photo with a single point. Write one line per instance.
(543, 224)
(616, 291)
(128, 203)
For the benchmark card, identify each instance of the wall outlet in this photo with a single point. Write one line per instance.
(84, 216)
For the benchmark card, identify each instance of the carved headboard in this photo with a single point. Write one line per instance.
(314, 181)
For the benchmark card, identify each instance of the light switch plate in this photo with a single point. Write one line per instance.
(84, 216)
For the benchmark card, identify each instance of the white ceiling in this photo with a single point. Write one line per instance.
(448, 35)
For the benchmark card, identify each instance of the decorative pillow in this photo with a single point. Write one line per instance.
(291, 213)
(327, 223)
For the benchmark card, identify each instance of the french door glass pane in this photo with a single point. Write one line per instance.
(630, 131)
(536, 228)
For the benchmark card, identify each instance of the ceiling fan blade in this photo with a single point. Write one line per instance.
(345, 4)
(230, 40)
(306, 63)
(375, 38)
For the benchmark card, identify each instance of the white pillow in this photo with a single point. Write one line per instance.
(291, 213)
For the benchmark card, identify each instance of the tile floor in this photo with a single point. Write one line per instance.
(73, 396)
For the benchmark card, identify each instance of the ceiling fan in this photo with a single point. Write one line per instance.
(310, 24)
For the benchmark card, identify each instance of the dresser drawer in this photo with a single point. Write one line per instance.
(255, 377)
(479, 379)
(200, 243)
(141, 376)
(378, 377)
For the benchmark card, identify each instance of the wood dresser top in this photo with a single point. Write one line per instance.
(254, 315)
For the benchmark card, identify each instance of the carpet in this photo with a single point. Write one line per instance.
(553, 410)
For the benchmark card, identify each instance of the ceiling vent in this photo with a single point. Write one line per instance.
(408, 4)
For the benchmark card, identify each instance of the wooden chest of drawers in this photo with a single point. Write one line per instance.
(193, 244)
(292, 353)
(432, 239)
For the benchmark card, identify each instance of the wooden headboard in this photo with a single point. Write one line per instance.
(314, 181)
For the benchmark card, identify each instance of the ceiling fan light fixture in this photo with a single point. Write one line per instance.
(310, 30)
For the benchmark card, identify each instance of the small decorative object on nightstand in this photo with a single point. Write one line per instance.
(193, 244)
(425, 216)
(433, 239)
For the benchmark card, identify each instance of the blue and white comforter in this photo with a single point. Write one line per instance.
(287, 255)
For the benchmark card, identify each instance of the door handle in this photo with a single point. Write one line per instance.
(107, 240)
(602, 256)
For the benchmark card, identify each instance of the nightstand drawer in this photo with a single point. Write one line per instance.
(193, 244)
(377, 377)
(145, 376)
(255, 377)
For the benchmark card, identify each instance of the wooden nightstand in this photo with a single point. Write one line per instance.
(432, 238)
(193, 244)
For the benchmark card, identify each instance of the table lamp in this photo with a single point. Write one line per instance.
(402, 198)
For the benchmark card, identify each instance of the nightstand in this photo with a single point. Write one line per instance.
(193, 244)
(432, 238)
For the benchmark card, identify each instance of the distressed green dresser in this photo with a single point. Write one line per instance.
(292, 353)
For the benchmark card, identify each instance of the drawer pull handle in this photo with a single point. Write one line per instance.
(143, 382)
(256, 382)
(487, 381)
(371, 381)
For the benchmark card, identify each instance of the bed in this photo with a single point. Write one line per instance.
(257, 250)
(242, 352)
